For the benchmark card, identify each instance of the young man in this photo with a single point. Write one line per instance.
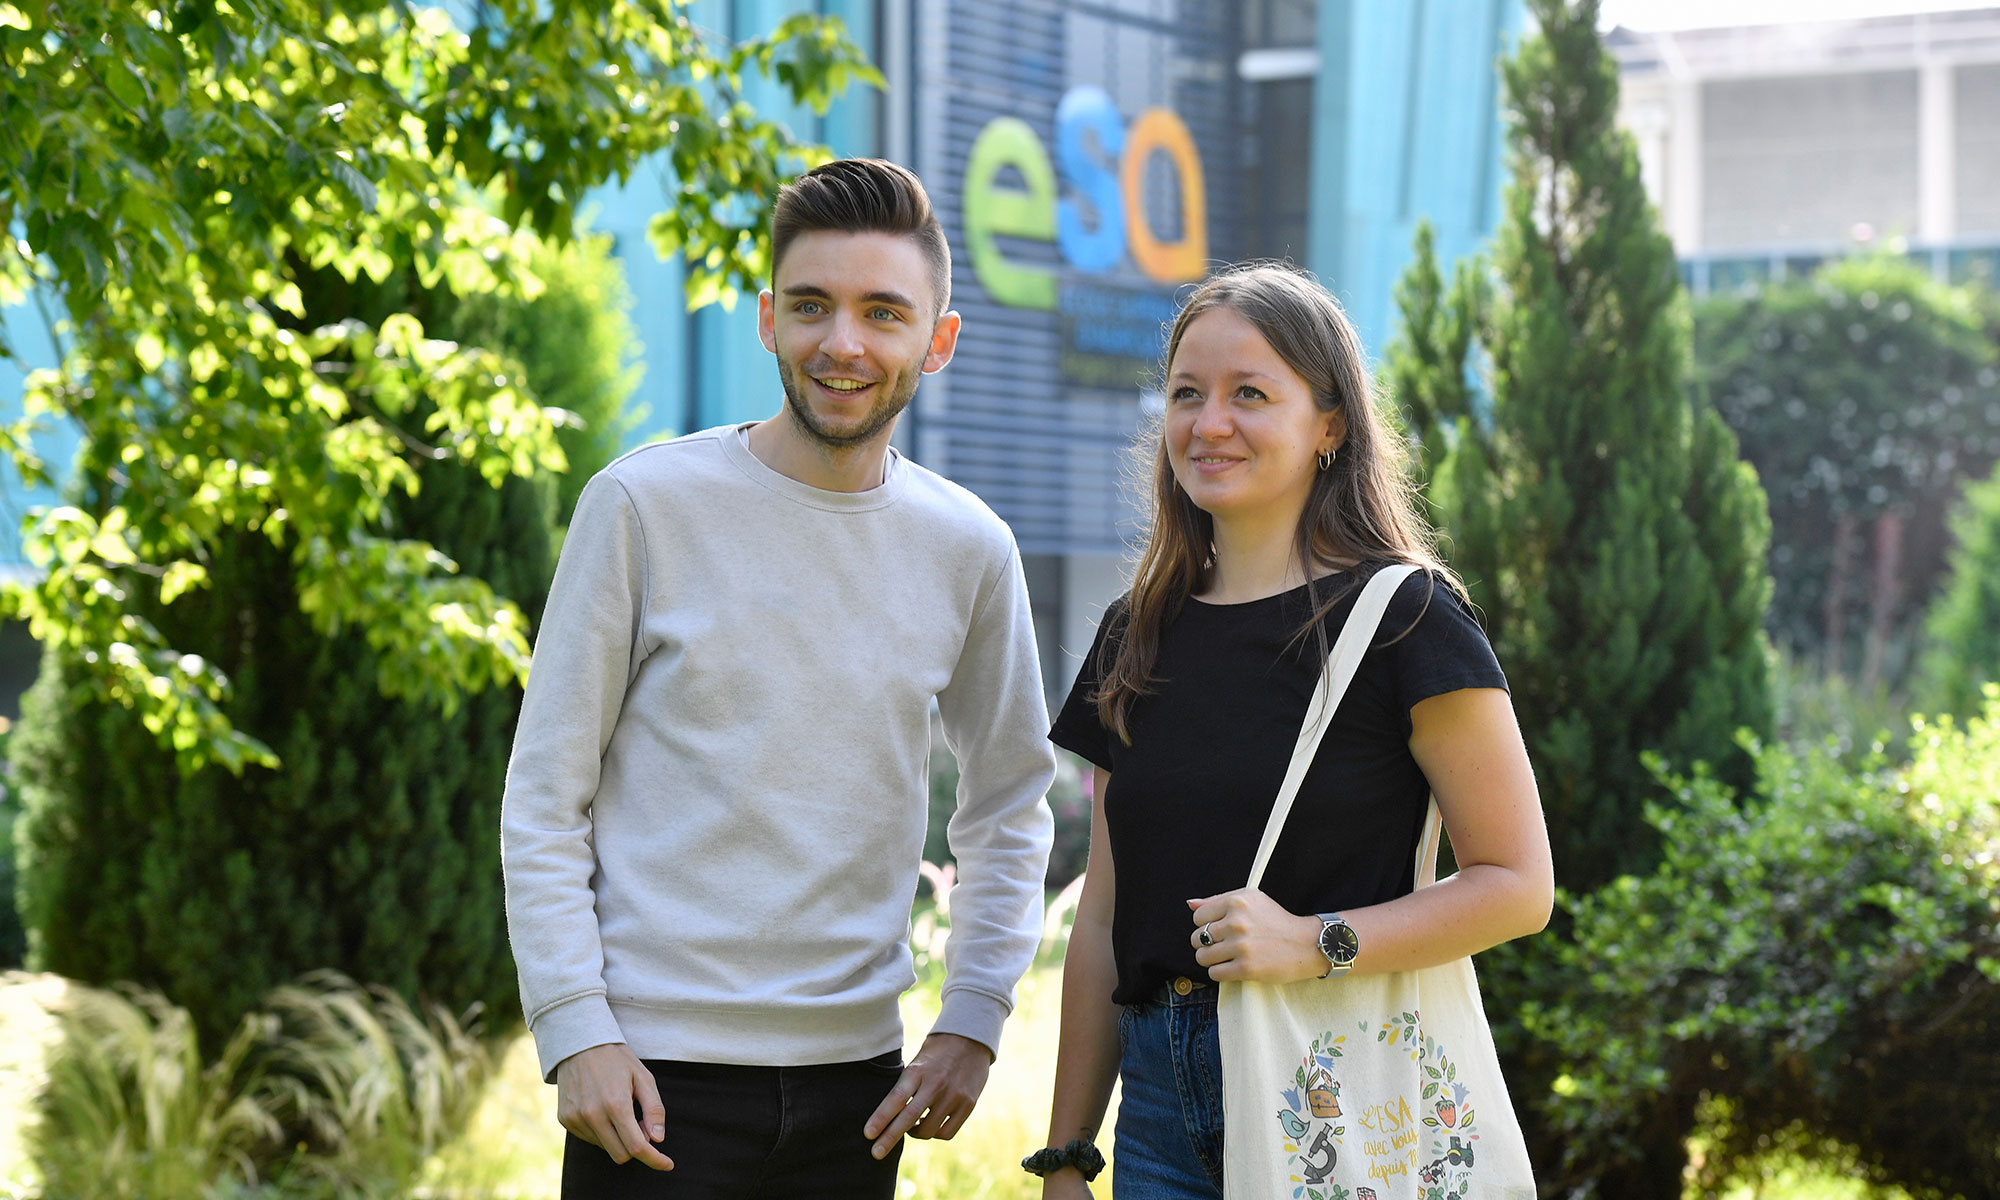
(716, 802)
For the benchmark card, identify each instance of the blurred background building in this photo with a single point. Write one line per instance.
(1772, 147)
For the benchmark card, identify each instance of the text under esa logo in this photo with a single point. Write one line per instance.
(1114, 191)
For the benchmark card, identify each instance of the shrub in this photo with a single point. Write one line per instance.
(132, 1111)
(1816, 964)
(1819, 710)
(331, 1091)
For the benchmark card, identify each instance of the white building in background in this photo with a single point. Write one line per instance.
(1770, 147)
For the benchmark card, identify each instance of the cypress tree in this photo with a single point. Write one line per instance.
(1609, 533)
(1963, 626)
(374, 849)
(1598, 511)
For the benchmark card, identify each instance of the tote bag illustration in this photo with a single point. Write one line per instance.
(1382, 1087)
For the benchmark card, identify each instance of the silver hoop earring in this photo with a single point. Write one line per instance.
(1326, 458)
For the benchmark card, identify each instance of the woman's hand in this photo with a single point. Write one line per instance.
(1065, 1185)
(1251, 938)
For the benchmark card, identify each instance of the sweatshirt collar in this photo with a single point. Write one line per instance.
(736, 448)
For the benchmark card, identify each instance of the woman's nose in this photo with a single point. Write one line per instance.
(1212, 421)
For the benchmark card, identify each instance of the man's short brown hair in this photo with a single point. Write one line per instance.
(862, 195)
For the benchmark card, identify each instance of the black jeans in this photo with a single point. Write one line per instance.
(744, 1133)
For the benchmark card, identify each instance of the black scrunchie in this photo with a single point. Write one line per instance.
(1079, 1153)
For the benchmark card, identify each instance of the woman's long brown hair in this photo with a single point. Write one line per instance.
(1362, 509)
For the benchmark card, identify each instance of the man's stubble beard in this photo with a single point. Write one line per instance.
(877, 419)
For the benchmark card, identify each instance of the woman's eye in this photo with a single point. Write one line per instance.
(1249, 393)
(1183, 394)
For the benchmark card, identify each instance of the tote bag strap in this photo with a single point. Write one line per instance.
(1341, 664)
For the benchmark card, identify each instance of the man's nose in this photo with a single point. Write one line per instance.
(843, 337)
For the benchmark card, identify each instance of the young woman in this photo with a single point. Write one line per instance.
(1278, 488)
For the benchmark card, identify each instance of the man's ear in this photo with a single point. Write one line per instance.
(944, 342)
(767, 320)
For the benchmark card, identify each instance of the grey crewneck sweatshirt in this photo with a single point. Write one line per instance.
(716, 802)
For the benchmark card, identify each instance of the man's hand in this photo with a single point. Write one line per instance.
(935, 1094)
(596, 1092)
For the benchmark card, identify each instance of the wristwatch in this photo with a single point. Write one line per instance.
(1339, 942)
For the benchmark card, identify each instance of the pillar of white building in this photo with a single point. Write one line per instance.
(1683, 184)
(1937, 136)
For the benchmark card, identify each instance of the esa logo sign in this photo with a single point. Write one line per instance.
(1113, 191)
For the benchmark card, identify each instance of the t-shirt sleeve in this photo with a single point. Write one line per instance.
(1443, 650)
(1077, 728)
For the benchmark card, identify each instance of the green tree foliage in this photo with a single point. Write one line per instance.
(1865, 395)
(372, 849)
(1964, 622)
(176, 172)
(576, 346)
(1820, 961)
(1609, 534)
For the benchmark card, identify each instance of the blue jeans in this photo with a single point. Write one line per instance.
(1168, 1145)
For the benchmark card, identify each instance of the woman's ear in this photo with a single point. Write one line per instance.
(1336, 429)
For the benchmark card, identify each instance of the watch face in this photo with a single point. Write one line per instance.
(1337, 940)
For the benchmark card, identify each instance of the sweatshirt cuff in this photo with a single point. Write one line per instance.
(974, 1015)
(573, 1026)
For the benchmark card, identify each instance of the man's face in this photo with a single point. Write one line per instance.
(851, 319)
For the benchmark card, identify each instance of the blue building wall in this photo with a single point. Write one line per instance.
(32, 341)
(1407, 127)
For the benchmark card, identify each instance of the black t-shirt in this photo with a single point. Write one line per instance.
(1189, 798)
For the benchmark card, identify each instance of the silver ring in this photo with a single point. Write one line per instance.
(1206, 940)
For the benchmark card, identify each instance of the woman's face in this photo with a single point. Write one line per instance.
(1243, 434)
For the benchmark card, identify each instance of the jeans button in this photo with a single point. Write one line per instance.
(1183, 985)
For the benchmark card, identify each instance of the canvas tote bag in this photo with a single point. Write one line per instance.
(1382, 1087)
